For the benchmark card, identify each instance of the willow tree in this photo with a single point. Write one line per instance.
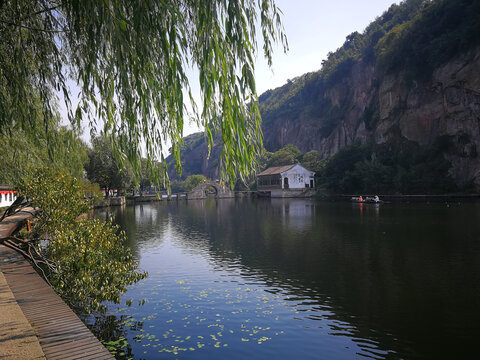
(130, 60)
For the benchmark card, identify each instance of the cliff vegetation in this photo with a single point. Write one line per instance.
(396, 109)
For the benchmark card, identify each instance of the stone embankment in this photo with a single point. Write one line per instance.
(111, 201)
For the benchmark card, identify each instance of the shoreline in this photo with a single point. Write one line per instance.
(423, 198)
(49, 321)
(36, 323)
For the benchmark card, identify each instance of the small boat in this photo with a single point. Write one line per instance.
(368, 199)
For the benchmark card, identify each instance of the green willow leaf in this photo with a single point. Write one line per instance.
(130, 60)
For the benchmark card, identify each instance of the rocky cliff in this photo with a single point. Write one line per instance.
(195, 158)
(413, 76)
(368, 107)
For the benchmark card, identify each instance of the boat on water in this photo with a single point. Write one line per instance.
(367, 199)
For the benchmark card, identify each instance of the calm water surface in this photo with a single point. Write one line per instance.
(300, 279)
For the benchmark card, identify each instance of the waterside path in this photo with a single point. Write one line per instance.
(35, 323)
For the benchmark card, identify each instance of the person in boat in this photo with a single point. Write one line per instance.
(376, 199)
(360, 198)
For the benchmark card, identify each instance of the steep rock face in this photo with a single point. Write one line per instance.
(341, 105)
(364, 106)
(195, 158)
(446, 106)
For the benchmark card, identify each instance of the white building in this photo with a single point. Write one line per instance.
(283, 181)
(7, 196)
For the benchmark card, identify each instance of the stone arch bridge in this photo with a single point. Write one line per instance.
(210, 189)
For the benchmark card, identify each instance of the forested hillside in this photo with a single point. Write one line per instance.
(406, 92)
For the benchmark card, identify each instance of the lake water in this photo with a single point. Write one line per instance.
(300, 279)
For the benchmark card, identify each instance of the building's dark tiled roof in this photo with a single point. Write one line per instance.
(276, 170)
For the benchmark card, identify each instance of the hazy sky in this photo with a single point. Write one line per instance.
(313, 28)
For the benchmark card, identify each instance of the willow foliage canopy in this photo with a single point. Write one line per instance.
(130, 60)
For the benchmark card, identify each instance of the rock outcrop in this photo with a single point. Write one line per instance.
(374, 108)
(412, 77)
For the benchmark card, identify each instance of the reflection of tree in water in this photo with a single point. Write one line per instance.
(372, 269)
(271, 241)
(144, 224)
(112, 330)
(392, 272)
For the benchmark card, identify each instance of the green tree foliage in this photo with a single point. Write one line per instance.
(60, 148)
(193, 180)
(338, 173)
(130, 59)
(400, 167)
(188, 184)
(104, 169)
(145, 179)
(197, 158)
(312, 161)
(177, 186)
(287, 155)
(92, 263)
(441, 30)
(413, 37)
(305, 94)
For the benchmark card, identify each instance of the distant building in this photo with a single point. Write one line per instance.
(7, 196)
(288, 177)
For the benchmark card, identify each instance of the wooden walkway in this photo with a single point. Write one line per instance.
(10, 223)
(61, 333)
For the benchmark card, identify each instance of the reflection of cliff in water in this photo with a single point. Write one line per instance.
(393, 272)
(143, 224)
(282, 243)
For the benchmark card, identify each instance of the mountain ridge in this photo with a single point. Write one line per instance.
(376, 90)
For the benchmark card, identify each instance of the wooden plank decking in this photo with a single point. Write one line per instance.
(61, 333)
(10, 223)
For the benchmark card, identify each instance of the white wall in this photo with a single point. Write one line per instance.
(7, 198)
(297, 176)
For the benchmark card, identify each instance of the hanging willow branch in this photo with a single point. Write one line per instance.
(131, 61)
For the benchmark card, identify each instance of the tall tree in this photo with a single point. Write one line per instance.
(287, 155)
(85, 260)
(60, 148)
(103, 168)
(129, 59)
(312, 160)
